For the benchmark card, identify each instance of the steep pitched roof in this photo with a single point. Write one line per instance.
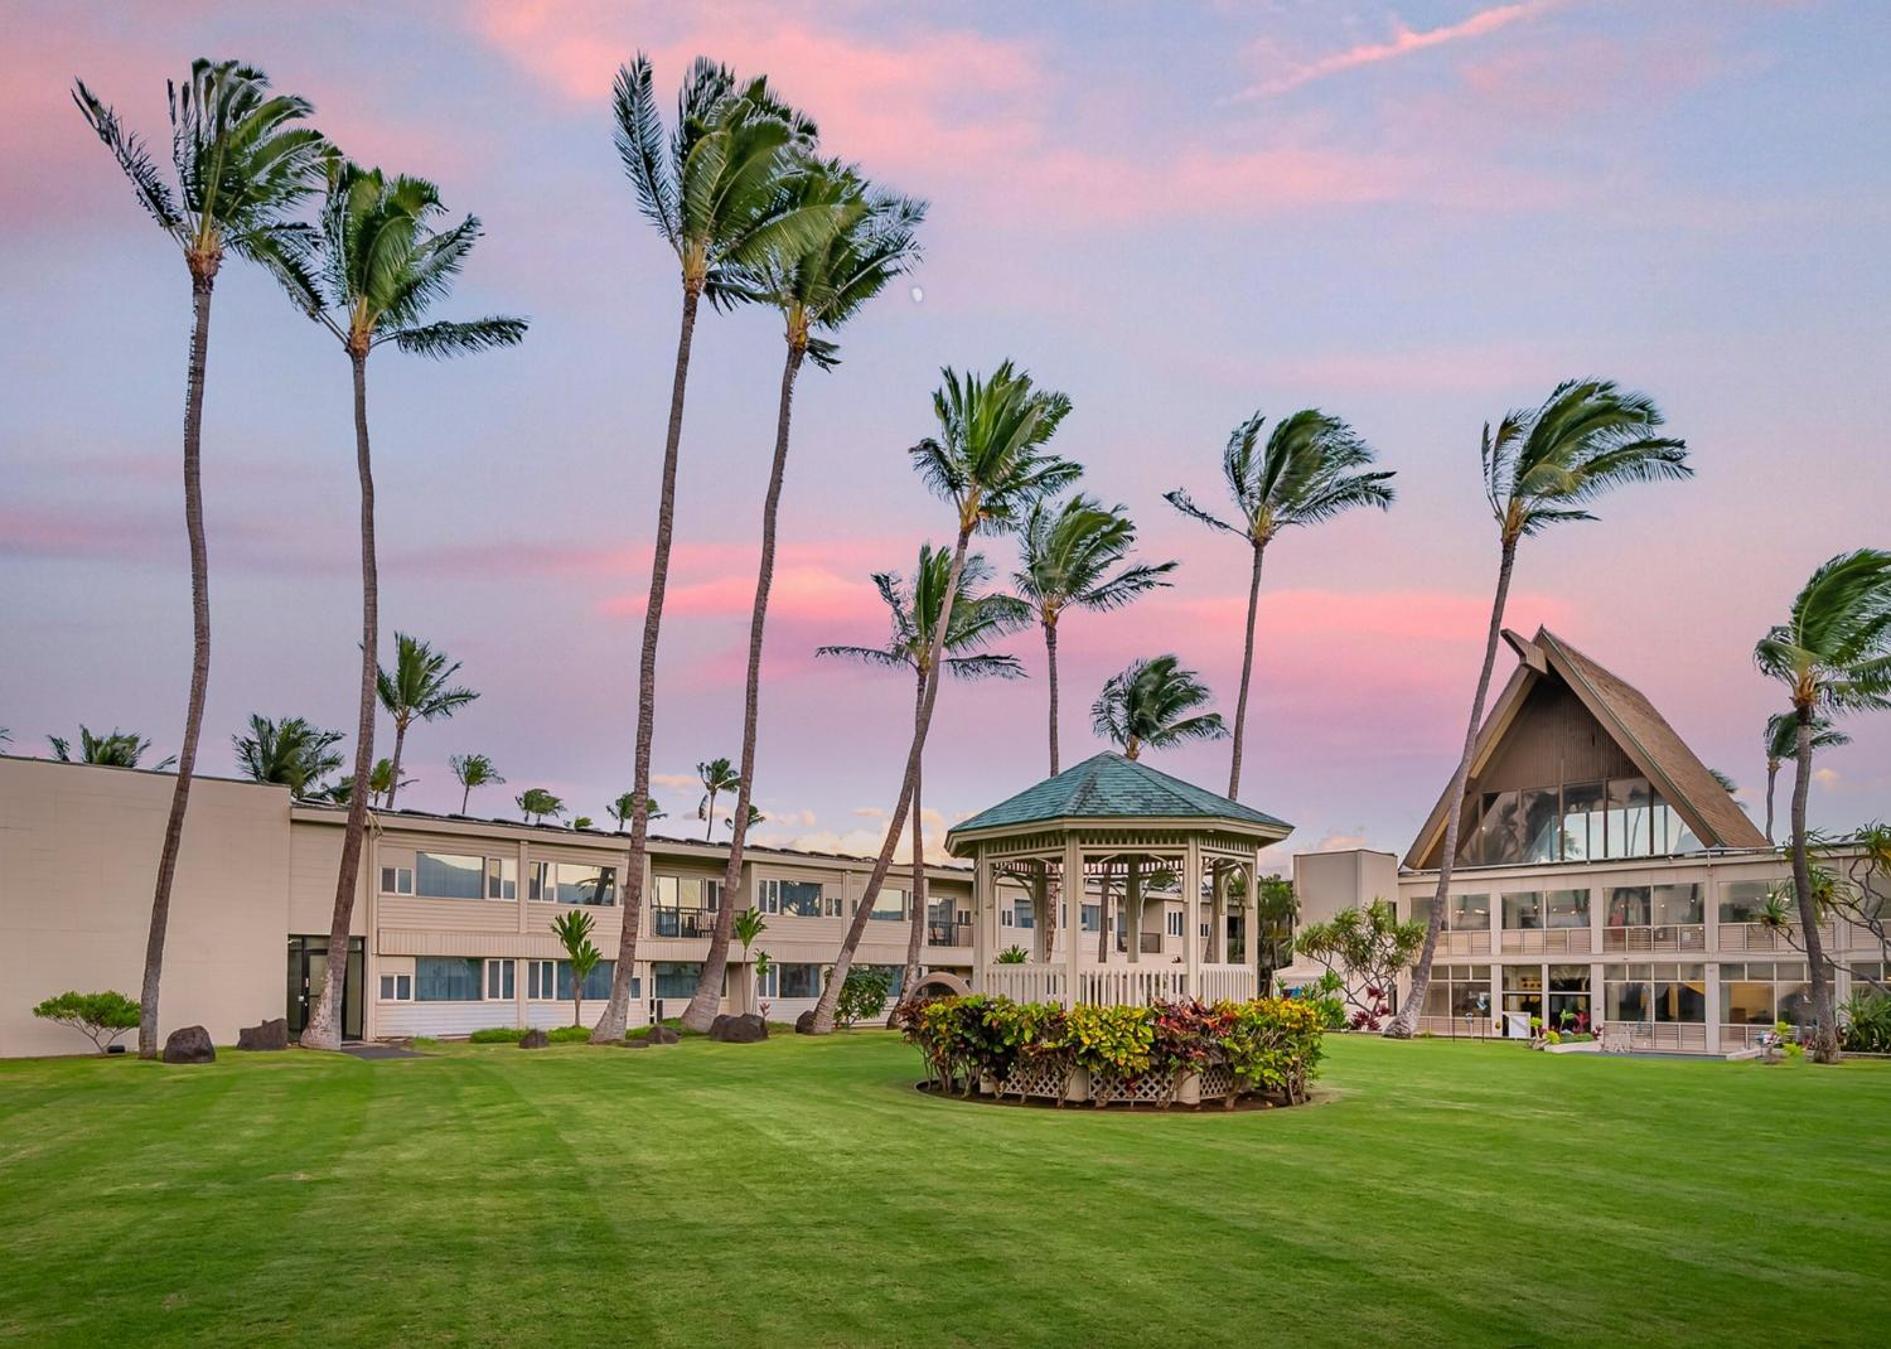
(1653, 745)
(1109, 786)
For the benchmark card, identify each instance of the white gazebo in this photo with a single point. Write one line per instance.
(1175, 864)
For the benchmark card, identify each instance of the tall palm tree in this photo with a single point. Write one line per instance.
(977, 620)
(473, 770)
(417, 689)
(1542, 467)
(715, 190)
(1074, 556)
(1782, 743)
(242, 161)
(293, 752)
(1833, 654)
(717, 777)
(369, 274)
(120, 749)
(990, 463)
(1154, 703)
(1312, 468)
(817, 287)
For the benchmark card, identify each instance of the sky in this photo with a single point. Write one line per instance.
(1414, 216)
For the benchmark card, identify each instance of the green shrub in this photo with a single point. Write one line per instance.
(1013, 955)
(569, 1035)
(1866, 1018)
(100, 1017)
(497, 1035)
(864, 995)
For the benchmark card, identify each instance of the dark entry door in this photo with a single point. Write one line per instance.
(308, 966)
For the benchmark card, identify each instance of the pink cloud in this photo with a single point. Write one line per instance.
(1404, 42)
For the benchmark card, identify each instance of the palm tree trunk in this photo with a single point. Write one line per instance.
(1405, 1023)
(1050, 672)
(1772, 777)
(909, 974)
(394, 774)
(610, 1026)
(1247, 675)
(707, 999)
(830, 996)
(1825, 1047)
(201, 283)
(465, 796)
(709, 830)
(323, 1030)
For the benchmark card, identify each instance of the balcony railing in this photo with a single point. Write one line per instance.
(1547, 941)
(682, 922)
(1672, 937)
(948, 934)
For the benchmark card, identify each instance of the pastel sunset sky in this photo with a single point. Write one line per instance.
(1414, 215)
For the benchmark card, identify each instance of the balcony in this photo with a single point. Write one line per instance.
(948, 934)
(682, 922)
(1547, 941)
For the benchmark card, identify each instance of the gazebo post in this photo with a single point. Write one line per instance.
(1132, 907)
(1218, 917)
(1254, 921)
(984, 913)
(1072, 890)
(1043, 917)
(1192, 914)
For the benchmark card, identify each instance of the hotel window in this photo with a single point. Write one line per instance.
(1669, 994)
(1467, 913)
(688, 892)
(1523, 911)
(1459, 991)
(502, 878)
(1091, 917)
(499, 976)
(541, 980)
(1577, 822)
(1627, 993)
(1569, 994)
(1677, 906)
(397, 988)
(888, 907)
(1176, 922)
(397, 880)
(677, 978)
(798, 981)
(449, 876)
(597, 984)
(1523, 989)
(798, 899)
(577, 883)
(1582, 821)
(1629, 906)
(447, 978)
(1759, 993)
(1744, 901)
(1022, 913)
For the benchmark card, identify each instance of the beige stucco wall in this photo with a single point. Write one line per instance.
(78, 856)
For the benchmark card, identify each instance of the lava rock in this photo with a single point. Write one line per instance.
(189, 1044)
(662, 1035)
(804, 1024)
(267, 1035)
(534, 1039)
(746, 1029)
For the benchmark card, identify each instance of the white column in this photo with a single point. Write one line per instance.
(1132, 908)
(1072, 896)
(1218, 918)
(984, 911)
(1192, 916)
(1254, 922)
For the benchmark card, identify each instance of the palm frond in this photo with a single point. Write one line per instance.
(444, 339)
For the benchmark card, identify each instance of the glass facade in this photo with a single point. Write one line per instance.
(1459, 991)
(449, 876)
(446, 979)
(1576, 822)
(1530, 909)
(1760, 993)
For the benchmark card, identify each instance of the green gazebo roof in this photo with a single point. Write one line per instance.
(1109, 786)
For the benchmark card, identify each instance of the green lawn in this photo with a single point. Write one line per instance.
(799, 1192)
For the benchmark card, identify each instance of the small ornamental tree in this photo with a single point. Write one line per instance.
(1013, 955)
(863, 995)
(100, 1017)
(573, 931)
(1367, 948)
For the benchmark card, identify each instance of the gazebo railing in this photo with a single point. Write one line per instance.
(1119, 985)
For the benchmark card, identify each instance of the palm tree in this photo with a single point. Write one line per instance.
(573, 931)
(473, 770)
(1074, 557)
(242, 161)
(717, 777)
(817, 286)
(1782, 743)
(1542, 467)
(293, 752)
(417, 690)
(1154, 702)
(369, 274)
(745, 928)
(120, 749)
(990, 463)
(625, 807)
(977, 620)
(535, 803)
(714, 189)
(1833, 654)
(1312, 468)
(382, 782)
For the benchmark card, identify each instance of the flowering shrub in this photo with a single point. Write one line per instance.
(1271, 1046)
